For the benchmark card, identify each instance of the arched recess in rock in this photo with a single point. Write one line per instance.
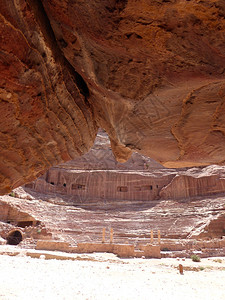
(14, 237)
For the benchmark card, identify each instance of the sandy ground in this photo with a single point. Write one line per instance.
(104, 276)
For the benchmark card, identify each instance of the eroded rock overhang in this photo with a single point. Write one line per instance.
(151, 74)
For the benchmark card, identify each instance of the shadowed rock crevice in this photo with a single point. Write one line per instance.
(55, 45)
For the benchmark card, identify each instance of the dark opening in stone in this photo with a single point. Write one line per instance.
(23, 224)
(14, 238)
(78, 187)
(122, 189)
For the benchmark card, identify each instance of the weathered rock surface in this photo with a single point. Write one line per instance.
(98, 177)
(44, 117)
(151, 73)
(144, 196)
(17, 223)
(114, 185)
(100, 157)
(82, 196)
(131, 222)
(195, 182)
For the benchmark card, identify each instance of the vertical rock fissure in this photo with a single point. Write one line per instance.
(42, 18)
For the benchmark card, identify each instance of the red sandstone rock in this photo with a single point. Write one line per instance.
(97, 176)
(82, 202)
(195, 182)
(188, 212)
(44, 117)
(100, 157)
(150, 73)
(132, 222)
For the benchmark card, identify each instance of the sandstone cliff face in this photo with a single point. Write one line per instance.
(151, 73)
(97, 176)
(132, 222)
(44, 118)
(100, 157)
(195, 182)
(103, 186)
(75, 203)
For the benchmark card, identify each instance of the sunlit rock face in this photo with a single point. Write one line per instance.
(151, 73)
(97, 177)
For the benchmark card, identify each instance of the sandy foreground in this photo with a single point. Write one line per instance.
(104, 276)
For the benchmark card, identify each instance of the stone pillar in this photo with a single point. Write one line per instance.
(111, 236)
(159, 237)
(152, 236)
(103, 235)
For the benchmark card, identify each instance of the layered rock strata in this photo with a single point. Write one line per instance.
(18, 224)
(44, 117)
(150, 73)
(98, 177)
(132, 223)
(115, 185)
(195, 182)
(92, 186)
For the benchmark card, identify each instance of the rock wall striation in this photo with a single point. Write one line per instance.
(97, 176)
(150, 73)
(195, 182)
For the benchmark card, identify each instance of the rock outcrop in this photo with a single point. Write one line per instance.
(74, 201)
(151, 73)
(105, 186)
(181, 221)
(44, 115)
(18, 223)
(195, 182)
(98, 177)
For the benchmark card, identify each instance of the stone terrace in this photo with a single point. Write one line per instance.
(132, 222)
